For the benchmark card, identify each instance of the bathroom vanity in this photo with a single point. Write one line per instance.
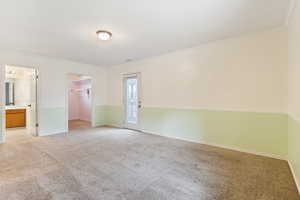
(15, 117)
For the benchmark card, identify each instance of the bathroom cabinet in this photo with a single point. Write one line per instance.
(15, 118)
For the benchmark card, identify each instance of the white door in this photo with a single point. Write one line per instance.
(132, 101)
(33, 123)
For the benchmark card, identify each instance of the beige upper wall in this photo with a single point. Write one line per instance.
(53, 76)
(247, 73)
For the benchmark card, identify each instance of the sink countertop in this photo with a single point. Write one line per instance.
(15, 107)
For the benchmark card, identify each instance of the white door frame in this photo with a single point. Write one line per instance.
(3, 96)
(93, 106)
(2, 102)
(139, 87)
(37, 97)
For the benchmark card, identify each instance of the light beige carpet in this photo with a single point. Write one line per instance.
(108, 164)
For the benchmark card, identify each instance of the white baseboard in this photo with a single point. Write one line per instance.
(294, 176)
(222, 146)
(210, 144)
(113, 126)
(52, 133)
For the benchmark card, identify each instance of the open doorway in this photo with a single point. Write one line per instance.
(20, 99)
(79, 101)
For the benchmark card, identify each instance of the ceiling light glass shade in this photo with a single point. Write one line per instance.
(104, 35)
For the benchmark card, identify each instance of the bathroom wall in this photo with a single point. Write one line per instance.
(22, 92)
(22, 79)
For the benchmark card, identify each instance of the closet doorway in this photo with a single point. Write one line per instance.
(79, 101)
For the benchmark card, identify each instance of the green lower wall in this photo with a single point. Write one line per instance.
(52, 121)
(249, 131)
(115, 115)
(100, 115)
(294, 146)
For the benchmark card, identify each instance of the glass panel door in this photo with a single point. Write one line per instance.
(131, 101)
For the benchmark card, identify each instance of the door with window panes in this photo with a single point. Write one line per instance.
(132, 103)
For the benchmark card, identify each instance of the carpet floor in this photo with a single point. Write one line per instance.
(117, 164)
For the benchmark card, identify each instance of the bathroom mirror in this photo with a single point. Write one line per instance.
(9, 93)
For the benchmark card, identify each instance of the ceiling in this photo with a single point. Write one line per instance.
(141, 28)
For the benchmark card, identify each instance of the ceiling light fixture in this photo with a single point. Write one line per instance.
(104, 35)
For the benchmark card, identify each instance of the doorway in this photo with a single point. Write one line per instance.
(20, 102)
(132, 102)
(79, 101)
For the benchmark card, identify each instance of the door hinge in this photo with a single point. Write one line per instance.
(36, 125)
(37, 76)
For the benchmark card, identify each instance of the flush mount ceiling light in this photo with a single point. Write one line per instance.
(104, 35)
